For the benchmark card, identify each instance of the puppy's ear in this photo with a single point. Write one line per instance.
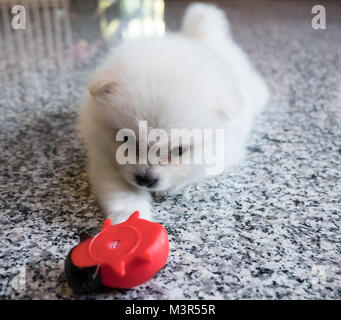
(230, 105)
(102, 86)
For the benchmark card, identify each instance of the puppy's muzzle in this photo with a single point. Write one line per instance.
(146, 180)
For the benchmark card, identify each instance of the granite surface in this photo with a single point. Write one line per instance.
(267, 229)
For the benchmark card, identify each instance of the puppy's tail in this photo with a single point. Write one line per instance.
(205, 21)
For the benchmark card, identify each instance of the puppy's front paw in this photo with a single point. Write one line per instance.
(121, 216)
(120, 210)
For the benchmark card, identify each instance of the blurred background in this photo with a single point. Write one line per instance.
(59, 34)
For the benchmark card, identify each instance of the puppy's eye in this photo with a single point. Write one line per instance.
(125, 138)
(178, 151)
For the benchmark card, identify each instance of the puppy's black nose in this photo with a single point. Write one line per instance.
(145, 180)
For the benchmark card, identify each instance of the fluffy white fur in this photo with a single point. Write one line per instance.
(197, 78)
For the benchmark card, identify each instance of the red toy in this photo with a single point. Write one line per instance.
(124, 255)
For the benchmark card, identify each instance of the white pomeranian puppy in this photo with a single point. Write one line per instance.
(197, 79)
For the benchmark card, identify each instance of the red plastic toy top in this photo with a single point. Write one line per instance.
(128, 254)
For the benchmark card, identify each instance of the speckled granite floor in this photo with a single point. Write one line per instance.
(269, 228)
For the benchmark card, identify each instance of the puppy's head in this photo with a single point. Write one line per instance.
(145, 90)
